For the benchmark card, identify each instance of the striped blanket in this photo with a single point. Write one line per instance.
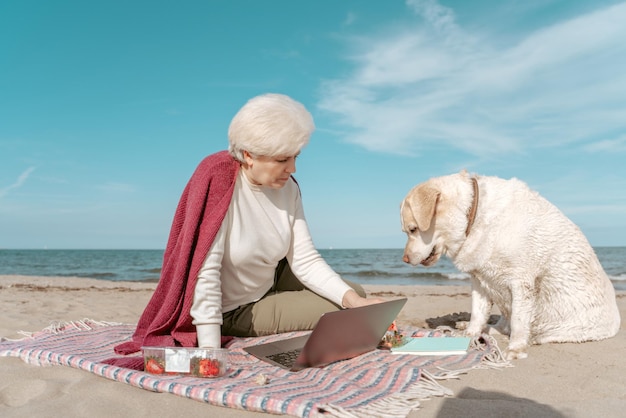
(373, 384)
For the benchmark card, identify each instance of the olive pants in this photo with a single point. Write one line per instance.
(287, 306)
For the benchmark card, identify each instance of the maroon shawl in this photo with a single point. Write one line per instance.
(166, 320)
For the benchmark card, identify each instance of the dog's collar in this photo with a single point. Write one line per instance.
(471, 215)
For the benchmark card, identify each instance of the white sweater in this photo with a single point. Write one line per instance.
(262, 226)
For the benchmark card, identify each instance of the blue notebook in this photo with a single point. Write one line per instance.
(434, 346)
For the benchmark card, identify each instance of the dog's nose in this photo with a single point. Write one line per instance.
(405, 258)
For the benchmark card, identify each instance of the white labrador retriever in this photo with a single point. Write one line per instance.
(522, 253)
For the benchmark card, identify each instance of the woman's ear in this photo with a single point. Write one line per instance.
(247, 158)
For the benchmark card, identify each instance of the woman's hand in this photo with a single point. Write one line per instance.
(351, 299)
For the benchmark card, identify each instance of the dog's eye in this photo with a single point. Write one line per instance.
(413, 229)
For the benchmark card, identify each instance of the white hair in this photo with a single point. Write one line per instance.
(270, 125)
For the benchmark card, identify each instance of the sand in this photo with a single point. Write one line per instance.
(556, 380)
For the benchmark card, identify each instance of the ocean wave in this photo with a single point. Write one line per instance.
(458, 276)
(84, 274)
(418, 274)
(367, 266)
(619, 278)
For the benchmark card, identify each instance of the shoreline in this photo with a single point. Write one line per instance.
(76, 281)
(556, 380)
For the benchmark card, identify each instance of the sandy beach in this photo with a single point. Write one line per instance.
(556, 380)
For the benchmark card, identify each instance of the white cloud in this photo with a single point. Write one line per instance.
(18, 183)
(435, 83)
(439, 16)
(615, 145)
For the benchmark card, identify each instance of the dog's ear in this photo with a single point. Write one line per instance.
(424, 205)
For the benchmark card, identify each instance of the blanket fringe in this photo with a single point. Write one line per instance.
(57, 327)
(395, 406)
(401, 404)
(492, 360)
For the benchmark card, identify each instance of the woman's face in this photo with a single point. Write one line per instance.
(271, 172)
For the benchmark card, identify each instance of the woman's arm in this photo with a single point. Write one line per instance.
(206, 310)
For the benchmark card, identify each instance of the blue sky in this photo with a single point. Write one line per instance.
(107, 107)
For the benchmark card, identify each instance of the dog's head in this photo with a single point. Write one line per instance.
(418, 215)
(434, 218)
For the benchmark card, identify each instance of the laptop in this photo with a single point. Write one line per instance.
(338, 335)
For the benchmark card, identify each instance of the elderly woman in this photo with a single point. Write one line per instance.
(240, 260)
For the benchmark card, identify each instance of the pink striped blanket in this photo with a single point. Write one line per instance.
(372, 384)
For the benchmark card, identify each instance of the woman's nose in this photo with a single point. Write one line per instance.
(291, 167)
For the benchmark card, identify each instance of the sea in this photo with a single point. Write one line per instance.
(364, 266)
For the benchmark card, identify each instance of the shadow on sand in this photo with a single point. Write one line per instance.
(471, 403)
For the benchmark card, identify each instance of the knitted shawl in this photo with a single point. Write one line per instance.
(166, 321)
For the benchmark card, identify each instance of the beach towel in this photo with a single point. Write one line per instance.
(166, 320)
(377, 383)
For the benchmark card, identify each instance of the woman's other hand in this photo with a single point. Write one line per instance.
(351, 299)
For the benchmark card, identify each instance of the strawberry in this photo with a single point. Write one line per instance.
(208, 367)
(153, 366)
(393, 327)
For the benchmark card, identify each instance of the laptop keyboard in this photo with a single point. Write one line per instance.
(287, 358)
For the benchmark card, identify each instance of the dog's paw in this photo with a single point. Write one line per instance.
(515, 355)
(516, 351)
(473, 330)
